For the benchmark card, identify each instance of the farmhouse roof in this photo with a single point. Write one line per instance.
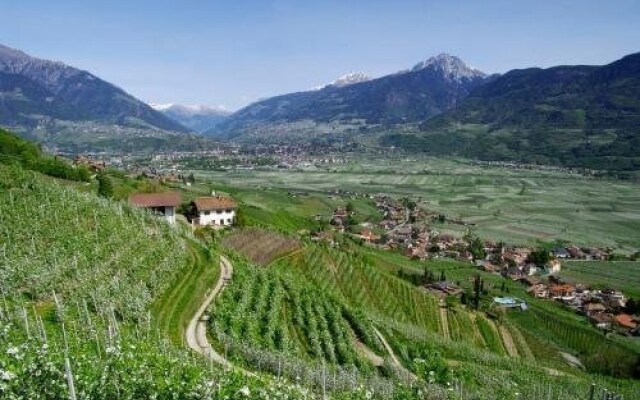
(600, 318)
(214, 203)
(626, 321)
(164, 199)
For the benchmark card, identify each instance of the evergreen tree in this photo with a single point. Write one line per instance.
(477, 288)
(477, 249)
(105, 187)
(241, 219)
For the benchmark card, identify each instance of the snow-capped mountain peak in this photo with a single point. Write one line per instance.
(350, 79)
(450, 66)
(190, 110)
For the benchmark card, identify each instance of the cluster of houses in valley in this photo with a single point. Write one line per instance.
(604, 308)
(214, 210)
(406, 227)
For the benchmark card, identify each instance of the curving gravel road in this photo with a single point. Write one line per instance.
(196, 333)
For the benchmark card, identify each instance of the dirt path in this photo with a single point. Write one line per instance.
(394, 359)
(196, 333)
(507, 340)
(445, 319)
(369, 354)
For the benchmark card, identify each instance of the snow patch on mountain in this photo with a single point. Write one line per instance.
(451, 67)
(350, 79)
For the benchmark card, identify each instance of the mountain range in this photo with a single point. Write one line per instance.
(74, 110)
(198, 118)
(579, 116)
(582, 116)
(429, 88)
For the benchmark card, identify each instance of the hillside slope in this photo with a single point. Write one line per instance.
(60, 105)
(56, 239)
(583, 116)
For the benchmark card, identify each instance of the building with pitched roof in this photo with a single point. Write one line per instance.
(163, 204)
(214, 210)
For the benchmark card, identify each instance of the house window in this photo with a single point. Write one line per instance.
(219, 211)
(207, 213)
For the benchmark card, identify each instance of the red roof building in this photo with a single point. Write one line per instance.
(163, 203)
(626, 321)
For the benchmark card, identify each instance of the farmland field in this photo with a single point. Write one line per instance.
(260, 246)
(620, 275)
(523, 206)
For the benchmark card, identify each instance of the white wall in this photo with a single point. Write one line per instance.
(170, 214)
(217, 217)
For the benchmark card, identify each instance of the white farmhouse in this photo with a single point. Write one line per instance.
(163, 204)
(214, 210)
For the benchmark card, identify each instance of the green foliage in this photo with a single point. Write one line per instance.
(540, 257)
(105, 187)
(21, 152)
(477, 249)
(597, 352)
(53, 238)
(620, 275)
(271, 310)
(521, 114)
(240, 220)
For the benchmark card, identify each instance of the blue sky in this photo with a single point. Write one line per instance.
(234, 52)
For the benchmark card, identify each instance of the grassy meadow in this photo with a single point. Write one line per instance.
(622, 275)
(515, 206)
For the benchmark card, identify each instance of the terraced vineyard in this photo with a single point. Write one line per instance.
(272, 310)
(78, 275)
(95, 295)
(380, 294)
(560, 334)
(56, 239)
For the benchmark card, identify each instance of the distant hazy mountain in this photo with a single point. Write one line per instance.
(429, 88)
(62, 106)
(198, 118)
(571, 115)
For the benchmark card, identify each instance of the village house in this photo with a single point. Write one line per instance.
(369, 237)
(625, 321)
(613, 298)
(214, 210)
(591, 308)
(601, 320)
(163, 204)
(561, 290)
(510, 302)
(539, 290)
(560, 252)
